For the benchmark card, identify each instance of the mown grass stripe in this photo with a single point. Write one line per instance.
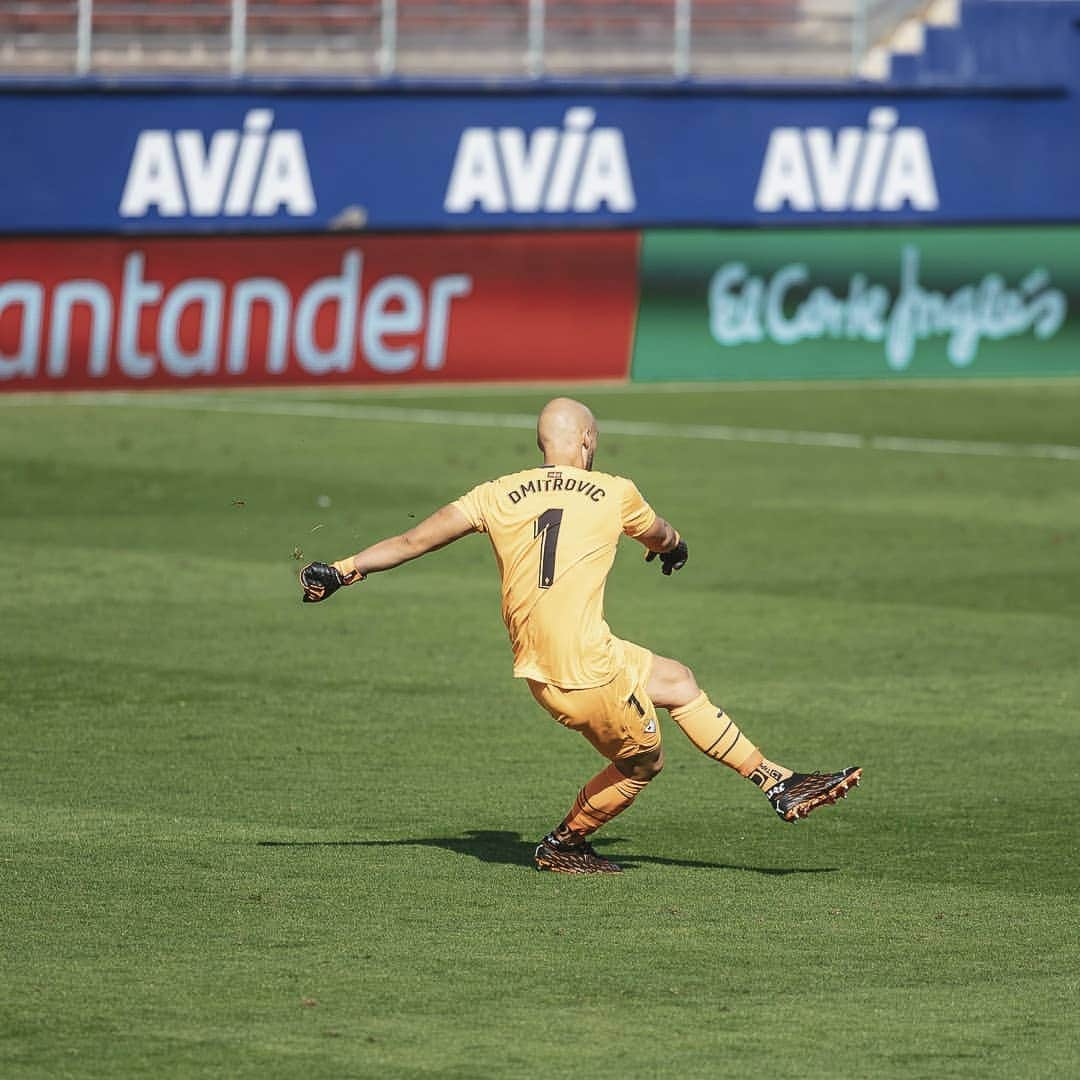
(523, 421)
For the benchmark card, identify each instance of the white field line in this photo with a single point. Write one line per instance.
(611, 387)
(527, 422)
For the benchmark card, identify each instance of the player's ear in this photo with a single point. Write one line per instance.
(588, 447)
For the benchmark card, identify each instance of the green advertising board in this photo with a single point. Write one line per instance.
(846, 303)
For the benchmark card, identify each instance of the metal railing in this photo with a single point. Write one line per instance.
(510, 38)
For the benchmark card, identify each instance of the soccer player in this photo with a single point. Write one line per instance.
(554, 529)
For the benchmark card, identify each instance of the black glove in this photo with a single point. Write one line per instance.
(675, 559)
(321, 580)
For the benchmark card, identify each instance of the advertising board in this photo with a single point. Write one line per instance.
(822, 303)
(139, 162)
(100, 313)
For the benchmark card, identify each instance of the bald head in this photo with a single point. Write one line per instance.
(566, 433)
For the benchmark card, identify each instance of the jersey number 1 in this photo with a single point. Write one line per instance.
(547, 525)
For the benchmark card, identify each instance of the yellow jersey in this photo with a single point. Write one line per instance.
(554, 530)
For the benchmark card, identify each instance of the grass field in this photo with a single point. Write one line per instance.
(241, 837)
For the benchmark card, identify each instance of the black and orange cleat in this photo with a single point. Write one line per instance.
(571, 858)
(800, 793)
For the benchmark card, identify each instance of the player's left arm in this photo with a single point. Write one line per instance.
(443, 527)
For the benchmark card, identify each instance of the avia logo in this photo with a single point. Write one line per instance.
(256, 172)
(577, 169)
(880, 168)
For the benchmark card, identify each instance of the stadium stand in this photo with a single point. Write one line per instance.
(365, 38)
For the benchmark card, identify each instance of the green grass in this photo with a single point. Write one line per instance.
(240, 837)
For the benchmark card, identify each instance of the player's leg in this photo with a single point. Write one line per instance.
(609, 793)
(620, 722)
(793, 795)
(672, 686)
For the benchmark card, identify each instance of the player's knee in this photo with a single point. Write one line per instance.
(684, 686)
(672, 683)
(642, 767)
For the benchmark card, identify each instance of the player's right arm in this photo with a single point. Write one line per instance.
(664, 540)
(443, 527)
(659, 537)
(647, 527)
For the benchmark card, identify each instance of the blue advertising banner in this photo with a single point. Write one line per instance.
(147, 161)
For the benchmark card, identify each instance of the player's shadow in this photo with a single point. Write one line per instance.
(511, 848)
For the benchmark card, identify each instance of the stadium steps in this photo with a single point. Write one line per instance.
(730, 38)
(991, 42)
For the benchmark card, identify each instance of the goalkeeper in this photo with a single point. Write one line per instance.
(554, 529)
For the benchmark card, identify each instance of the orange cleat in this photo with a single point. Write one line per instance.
(577, 858)
(800, 793)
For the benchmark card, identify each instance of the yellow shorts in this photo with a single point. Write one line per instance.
(618, 718)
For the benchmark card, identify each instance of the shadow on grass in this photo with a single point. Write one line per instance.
(513, 849)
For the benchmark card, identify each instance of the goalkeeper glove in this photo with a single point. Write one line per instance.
(675, 559)
(321, 580)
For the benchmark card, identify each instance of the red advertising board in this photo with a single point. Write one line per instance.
(212, 311)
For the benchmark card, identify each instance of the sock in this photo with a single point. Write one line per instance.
(605, 796)
(768, 773)
(715, 734)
